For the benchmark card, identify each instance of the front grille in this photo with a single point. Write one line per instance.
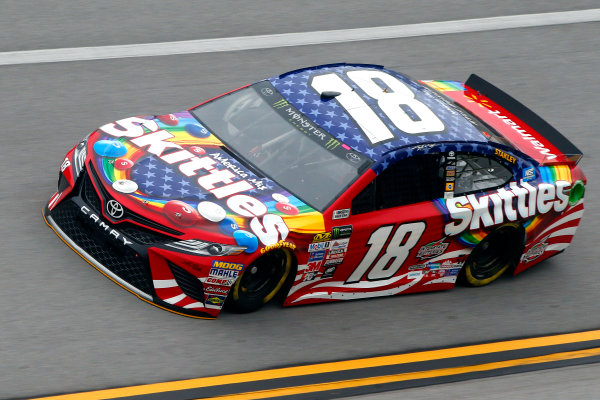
(121, 261)
(141, 235)
(128, 214)
(144, 236)
(88, 193)
(189, 284)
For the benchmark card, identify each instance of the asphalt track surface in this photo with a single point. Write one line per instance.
(66, 328)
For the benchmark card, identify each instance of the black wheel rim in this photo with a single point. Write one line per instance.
(263, 275)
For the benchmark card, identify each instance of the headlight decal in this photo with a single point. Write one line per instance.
(206, 248)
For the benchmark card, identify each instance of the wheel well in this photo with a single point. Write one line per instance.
(513, 238)
(283, 292)
(520, 240)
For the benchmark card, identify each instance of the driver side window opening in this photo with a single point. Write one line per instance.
(476, 173)
(407, 181)
(421, 178)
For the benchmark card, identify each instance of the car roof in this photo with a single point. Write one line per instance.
(295, 87)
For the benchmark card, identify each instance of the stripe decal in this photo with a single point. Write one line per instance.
(164, 283)
(557, 246)
(563, 220)
(176, 299)
(564, 232)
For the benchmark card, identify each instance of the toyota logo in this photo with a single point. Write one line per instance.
(114, 209)
(353, 157)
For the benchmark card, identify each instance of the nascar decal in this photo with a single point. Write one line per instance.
(472, 212)
(219, 182)
(341, 214)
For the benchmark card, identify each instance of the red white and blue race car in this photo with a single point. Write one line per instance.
(328, 183)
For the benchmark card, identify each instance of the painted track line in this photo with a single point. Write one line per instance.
(298, 39)
(374, 374)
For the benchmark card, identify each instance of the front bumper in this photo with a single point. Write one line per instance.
(121, 251)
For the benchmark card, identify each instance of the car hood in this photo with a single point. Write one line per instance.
(171, 170)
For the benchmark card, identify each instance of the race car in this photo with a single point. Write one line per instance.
(327, 183)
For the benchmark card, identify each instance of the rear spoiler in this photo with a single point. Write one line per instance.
(568, 149)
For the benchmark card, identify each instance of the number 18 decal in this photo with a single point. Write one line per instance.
(390, 262)
(393, 97)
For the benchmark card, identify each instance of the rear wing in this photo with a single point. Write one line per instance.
(566, 149)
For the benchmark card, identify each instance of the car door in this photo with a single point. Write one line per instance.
(395, 225)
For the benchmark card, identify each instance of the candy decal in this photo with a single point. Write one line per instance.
(228, 226)
(212, 211)
(197, 131)
(280, 198)
(123, 164)
(110, 148)
(286, 208)
(244, 238)
(168, 119)
(125, 186)
(181, 213)
(576, 193)
(197, 150)
(228, 185)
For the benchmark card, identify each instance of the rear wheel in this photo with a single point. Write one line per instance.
(496, 253)
(260, 281)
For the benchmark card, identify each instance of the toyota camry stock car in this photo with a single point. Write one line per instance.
(327, 183)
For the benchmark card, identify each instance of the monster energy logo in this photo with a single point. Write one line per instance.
(280, 104)
(332, 144)
(341, 232)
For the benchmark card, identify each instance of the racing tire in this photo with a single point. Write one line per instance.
(260, 281)
(498, 252)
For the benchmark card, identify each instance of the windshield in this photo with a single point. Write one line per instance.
(261, 126)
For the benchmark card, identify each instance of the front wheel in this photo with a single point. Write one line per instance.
(260, 281)
(496, 253)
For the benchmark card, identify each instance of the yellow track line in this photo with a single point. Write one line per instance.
(265, 394)
(333, 366)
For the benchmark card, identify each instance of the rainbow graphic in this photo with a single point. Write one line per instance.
(551, 174)
(304, 218)
(445, 86)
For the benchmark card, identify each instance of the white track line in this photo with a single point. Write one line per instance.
(297, 39)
